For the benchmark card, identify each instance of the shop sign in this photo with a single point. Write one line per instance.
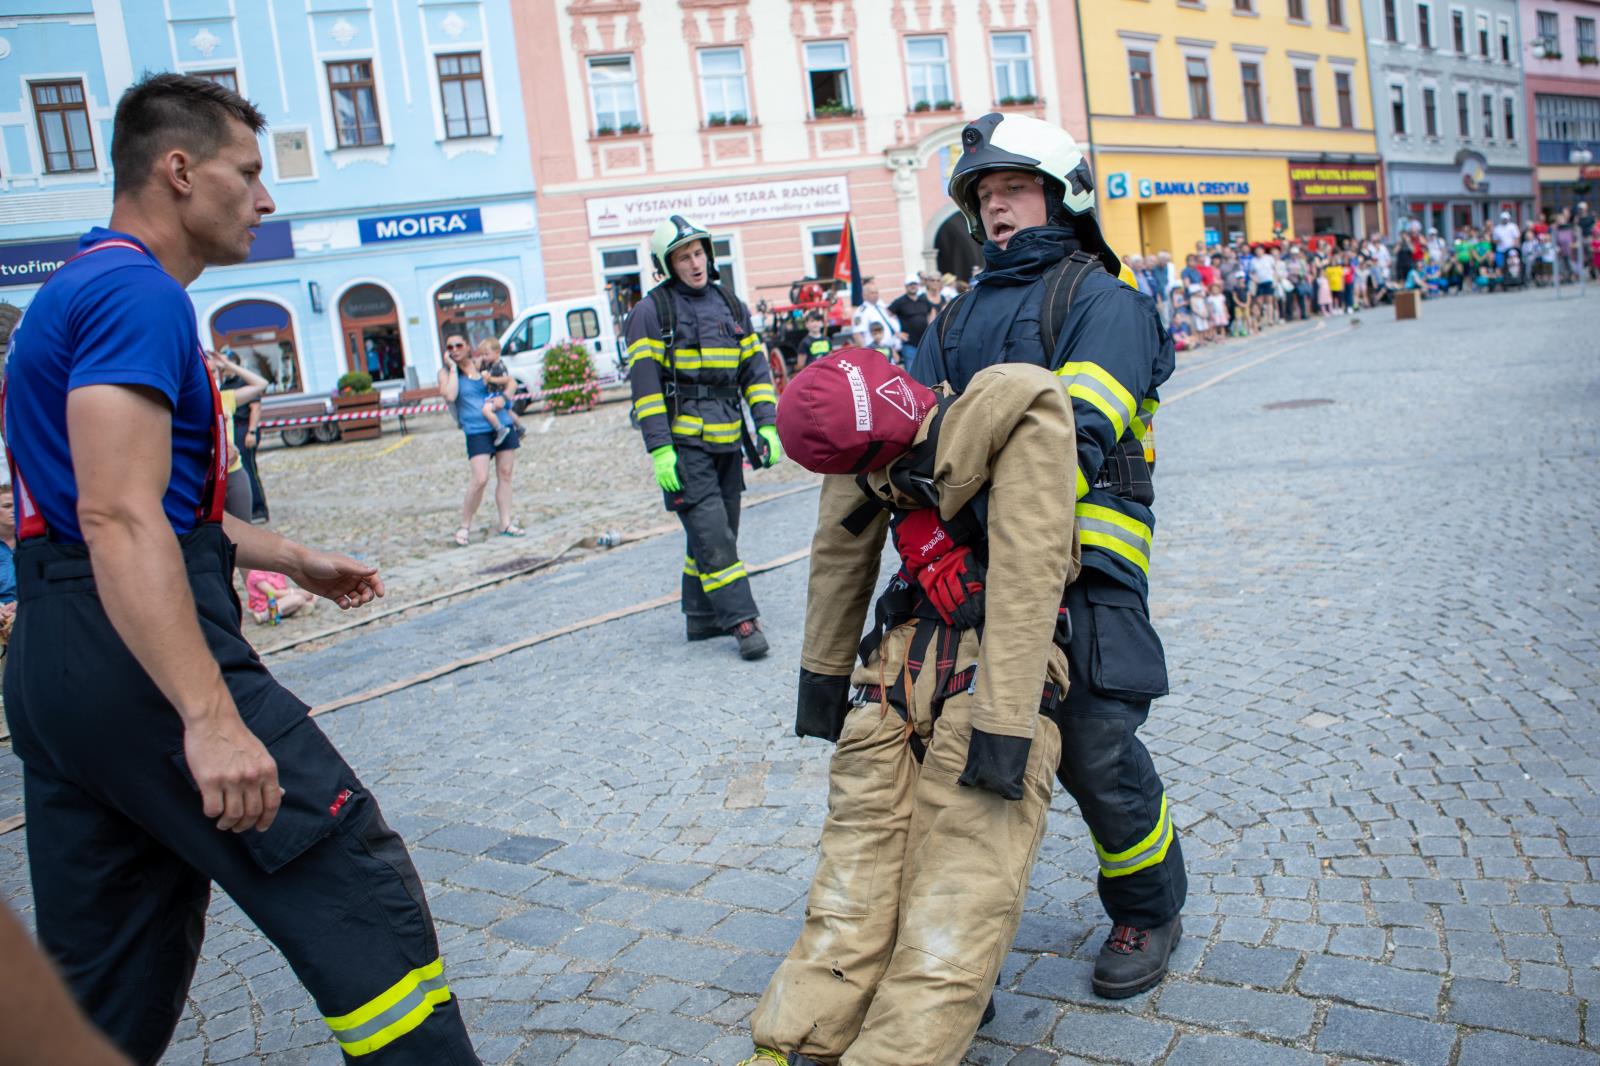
(719, 205)
(31, 263)
(420, 225)
(1319, 181)
(1588, 173)
(1117, 185)
(1149, 188)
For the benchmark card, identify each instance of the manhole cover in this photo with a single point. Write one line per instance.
(520, 563)
(1289, 405)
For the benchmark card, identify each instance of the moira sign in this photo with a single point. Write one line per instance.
(719, 205)
(420, 226)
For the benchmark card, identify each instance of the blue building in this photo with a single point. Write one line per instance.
(397, 152)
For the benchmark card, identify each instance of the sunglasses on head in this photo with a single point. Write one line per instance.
(455, 344)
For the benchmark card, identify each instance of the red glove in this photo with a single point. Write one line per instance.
(954, 585)
(920, 538)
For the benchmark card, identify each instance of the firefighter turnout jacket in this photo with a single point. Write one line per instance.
(1111, 352)
(688, 386)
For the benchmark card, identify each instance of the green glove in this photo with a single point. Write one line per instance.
(665, 459)
(774, 448)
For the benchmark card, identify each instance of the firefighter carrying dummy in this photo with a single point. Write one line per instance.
(928, 842)
(694, 360)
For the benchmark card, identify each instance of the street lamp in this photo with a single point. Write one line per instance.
(1579, 157)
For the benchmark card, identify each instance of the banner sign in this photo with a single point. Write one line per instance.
(1317, 181)
(31, 263)
(720, 205)
(423, 225)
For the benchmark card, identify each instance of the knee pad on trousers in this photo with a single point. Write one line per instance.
(1105, 769)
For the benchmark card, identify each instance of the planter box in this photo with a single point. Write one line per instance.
(359, 428)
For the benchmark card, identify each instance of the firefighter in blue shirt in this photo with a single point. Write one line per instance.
(695, 362)
(1050, 295)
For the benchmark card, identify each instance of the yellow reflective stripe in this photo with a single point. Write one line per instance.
(749, 347)
(719, 358)
(653, 404)
(723, 578)
(1083, 484)
(760, 393)
(721, 432)
(645, 345)
(393, 1013)
(1102, 527)
(1145, 418)
(1149, 851)
(1094, 384)
(687, 426)
(689, 567)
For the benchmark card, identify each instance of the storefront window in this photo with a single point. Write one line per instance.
(1224, 223)
(477, 308)
(824, 250)
(260, 335)
(370, 325)
(624, 283)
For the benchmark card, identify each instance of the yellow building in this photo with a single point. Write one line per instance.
(1216, 120)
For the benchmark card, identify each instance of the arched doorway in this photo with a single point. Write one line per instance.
(370, 324)
(958, 252)
(260, 334)
(475, 307)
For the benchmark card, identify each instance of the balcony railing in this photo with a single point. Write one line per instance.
(1559, 152)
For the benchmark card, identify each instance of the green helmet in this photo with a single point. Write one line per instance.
(673, 234)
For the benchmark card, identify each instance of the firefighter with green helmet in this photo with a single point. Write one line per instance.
(695, 363)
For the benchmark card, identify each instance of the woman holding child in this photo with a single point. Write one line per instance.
(463, 383)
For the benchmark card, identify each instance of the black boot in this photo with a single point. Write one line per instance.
(988, 1014)
(1132, 960)
(702, 627)
(752, 643)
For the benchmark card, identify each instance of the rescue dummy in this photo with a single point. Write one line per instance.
(941, 778)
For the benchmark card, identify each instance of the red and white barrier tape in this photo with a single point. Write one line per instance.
(411, 409)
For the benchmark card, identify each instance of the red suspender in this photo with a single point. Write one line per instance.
(30, 523)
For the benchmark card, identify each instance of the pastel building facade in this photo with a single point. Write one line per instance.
(767, 121)
(396, 151)
(1453, 126)
(1562, 62)
(1215, 122)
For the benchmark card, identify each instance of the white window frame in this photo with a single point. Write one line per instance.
(810, 249)
(1433, 23)
(1405, 107)
(1399, 22)
(743, 78)
(1422, 111)
(1538, 22)
(1489, 98)
(928, 68)
(1481, 34)
(1464, 131)
(1310, 67)
(490, 102)
(1466, 31)
(1594, 36)
(1504, 26)
(1508, 105)
(613, 119)
(1203, 57)
(849, 86)
(1248, 53)
(729, 266)
(1146, 43)
(996, 60)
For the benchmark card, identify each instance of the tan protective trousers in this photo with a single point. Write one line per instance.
(920, 884)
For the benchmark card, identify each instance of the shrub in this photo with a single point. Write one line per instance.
(357, 381)
(569, 378)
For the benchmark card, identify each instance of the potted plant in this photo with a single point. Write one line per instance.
(1008, 101)
(1589, 61)
(569, 378)
(355, 394)
(738, 118)
(717, 120)
(604, 131)
(832, 109)
(630, 127)
(944, 105)
(922, 105)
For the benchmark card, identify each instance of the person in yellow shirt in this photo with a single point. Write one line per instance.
(239, 501)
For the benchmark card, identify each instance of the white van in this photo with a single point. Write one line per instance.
(585, 320)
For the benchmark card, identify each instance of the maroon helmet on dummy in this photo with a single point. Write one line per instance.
(850, 412)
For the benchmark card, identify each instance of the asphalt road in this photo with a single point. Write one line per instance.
(1375, 576)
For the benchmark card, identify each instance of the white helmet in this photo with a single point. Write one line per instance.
(1018, 142)
(673, 234)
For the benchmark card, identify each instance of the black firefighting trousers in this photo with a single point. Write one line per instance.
(716, 588)
(1117, 666)
(122, 856)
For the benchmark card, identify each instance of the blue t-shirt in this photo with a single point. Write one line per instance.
(113, 317)
(8, 574)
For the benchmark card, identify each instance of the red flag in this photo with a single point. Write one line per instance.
(846, 267)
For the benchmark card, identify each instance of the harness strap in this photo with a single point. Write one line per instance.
(31, 523)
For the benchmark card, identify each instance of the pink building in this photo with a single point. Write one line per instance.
(1562, 67)
(766, 121)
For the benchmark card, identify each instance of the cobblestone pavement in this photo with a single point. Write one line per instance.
(1381, 612)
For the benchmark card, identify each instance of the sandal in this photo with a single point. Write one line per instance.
(463, 536)
(513, 530)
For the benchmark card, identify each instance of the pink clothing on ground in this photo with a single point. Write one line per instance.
(258, 599)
